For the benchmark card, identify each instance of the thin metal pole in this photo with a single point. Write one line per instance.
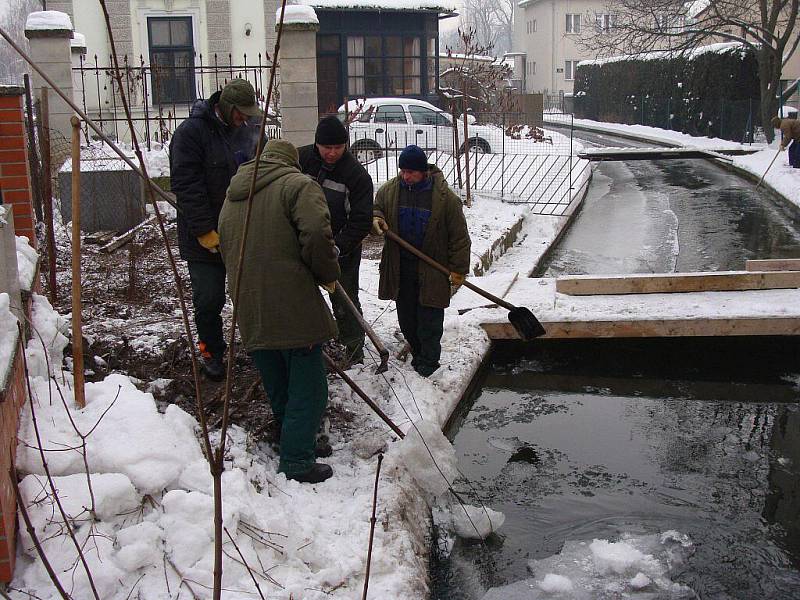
(33, 165)
(47, 190)
(77, 329)
(372, 527)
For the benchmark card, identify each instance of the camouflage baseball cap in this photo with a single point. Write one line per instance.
(239, 94)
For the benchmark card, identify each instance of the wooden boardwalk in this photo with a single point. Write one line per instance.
(741, 303)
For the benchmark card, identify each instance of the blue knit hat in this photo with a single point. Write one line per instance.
(413, 158)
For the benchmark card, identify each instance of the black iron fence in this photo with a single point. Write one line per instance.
(159, 95)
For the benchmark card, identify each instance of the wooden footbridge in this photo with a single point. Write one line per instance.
(764, 299)
(606, 154)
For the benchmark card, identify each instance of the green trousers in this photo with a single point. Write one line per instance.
(297, 388)
(351, 336)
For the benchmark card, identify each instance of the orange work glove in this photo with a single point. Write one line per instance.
(456, 279)
(209, 241)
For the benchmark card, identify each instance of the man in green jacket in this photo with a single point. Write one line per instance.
(419, 206)
(282, 315)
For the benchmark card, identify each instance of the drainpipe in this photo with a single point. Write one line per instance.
(553, 46)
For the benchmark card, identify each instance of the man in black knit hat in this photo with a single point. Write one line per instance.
(348, 191)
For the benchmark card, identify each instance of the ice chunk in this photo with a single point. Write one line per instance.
(555, 584)
(429, 457)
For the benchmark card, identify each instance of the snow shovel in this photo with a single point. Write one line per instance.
(362, 394)
(527, 325)
(384, 353)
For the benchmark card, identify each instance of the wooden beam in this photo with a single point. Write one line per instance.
(656, 328)
(723, 281)
(773, 264)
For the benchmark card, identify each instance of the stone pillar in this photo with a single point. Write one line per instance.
(15, 181)
(298, 71)
(49, 37)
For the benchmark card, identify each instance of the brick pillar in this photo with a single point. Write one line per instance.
(15, 181)
(298, 69)
(50, 50)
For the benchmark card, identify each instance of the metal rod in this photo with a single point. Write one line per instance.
(47, 191)
(372, 527)
(77, 329)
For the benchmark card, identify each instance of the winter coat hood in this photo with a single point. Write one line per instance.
(278, 158)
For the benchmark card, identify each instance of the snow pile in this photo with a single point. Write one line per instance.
(632, 567)
(8, 337)
(27, 261)
(297, 13)
(78, 40)
(48, 20)
(429, 457)
(45, 350)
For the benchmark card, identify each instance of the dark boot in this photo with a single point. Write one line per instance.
(318, 473)
(211, 365)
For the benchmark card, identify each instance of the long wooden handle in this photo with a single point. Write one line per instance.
(760, 181)
(439, 267)
(361, 321)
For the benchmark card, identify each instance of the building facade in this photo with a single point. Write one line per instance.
(545, 41)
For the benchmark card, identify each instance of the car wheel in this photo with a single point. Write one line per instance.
(366, 151)
(477, 146)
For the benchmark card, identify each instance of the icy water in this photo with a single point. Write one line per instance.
(634, 469)
(642, 469)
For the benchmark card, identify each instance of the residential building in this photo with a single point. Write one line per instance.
(186, 49)
(545, 41)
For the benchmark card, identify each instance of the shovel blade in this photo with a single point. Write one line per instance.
(525, 322)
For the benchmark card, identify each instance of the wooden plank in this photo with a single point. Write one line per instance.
(773, 264)
(98, 237)
(656, 328)
(116, 242)
(723, 281)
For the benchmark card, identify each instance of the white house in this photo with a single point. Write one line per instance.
(545, 39)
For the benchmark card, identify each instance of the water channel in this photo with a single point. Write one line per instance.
(652, 469)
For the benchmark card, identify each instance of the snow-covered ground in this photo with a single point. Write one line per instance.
(143, 513)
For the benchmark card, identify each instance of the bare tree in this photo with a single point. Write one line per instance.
(13, 20)
(491, 20)
(765, 26)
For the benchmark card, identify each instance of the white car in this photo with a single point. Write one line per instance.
(378, 124)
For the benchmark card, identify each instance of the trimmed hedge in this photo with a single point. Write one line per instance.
(713, 93)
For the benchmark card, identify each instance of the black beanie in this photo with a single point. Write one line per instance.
(413, 159)
(331, 132)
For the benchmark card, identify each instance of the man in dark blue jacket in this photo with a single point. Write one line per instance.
(348, 192)
(206, 150)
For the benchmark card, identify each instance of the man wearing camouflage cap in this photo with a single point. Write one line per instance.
(206, 150)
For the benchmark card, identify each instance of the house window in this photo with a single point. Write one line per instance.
(569, 69)
(533, 68)
(669, 22)
(534, 26)
(384, 65)
(171, 59)
(573, 23)
(402, 58)
(604, 22)
(433, 71)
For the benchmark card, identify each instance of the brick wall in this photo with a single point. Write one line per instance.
(11, 402)
(14, 173)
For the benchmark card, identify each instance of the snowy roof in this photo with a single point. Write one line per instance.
(475, 57)
(446, 6)
(297, 13)
(48, 20)
(666, 54)
(696, 7)
(78, 40)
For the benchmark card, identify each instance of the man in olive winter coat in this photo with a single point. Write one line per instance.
(282, 315)
(205, 152)
(419, 206)
(790, 132)
(348, 191)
